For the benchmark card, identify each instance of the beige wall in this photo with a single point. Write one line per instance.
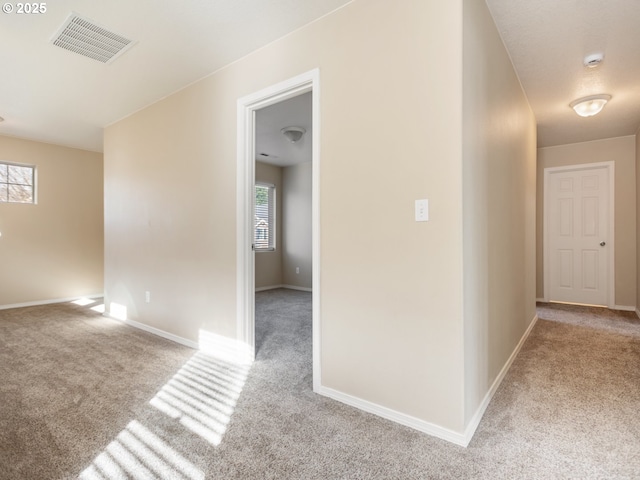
(638, 223)
(391, 309)
(297, 225)
(499, 156)
(268, 265)
(293, 228)
(621, 150)
(54, 249)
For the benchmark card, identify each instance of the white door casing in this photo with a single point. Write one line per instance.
(578, 240)
(245, 286)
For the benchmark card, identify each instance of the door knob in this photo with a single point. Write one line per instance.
(602, 244)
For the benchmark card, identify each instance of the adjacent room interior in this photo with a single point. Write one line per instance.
(284, 165)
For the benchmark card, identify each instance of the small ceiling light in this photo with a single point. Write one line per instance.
(293, 134)
(593, 60)
(589, 106)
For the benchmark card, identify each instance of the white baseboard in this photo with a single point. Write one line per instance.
(270, 287)
(293, 287)
(625, 308)
(290, 287)
(462, 439)
(475, 420)
(209, 343)
(156, 331)
(394, 416)
(225, 348)
(49, 302)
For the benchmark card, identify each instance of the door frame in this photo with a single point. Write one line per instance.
(611, 278)
(245, 283)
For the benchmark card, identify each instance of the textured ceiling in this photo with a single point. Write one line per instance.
(53, 95)
(548, 40)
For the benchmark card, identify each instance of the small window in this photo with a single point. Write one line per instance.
(264, 223)
(17, 183)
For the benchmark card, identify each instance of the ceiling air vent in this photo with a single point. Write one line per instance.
(84, 37)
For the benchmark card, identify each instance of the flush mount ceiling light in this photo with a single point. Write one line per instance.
(593, 60)
(293, 134)
(589, 106)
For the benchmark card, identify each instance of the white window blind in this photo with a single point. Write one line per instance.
(264, 222)
(17, 183)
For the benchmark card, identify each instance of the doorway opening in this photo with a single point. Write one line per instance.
(254, 107)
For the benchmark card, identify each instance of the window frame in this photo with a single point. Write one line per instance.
(271, 215)
(34, 182)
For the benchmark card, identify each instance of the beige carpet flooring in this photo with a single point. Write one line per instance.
(83, 396)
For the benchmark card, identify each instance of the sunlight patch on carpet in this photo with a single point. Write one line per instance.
(84, 301)
(139, 453)
(98, 308)
(203, 394)
(201, 397)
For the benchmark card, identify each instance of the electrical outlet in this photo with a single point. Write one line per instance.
(147, 296)
(297, 270)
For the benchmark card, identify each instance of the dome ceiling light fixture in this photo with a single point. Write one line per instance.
(293, 134)
(593, 60)
(591, 105)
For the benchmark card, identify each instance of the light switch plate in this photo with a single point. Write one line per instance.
(422, 210)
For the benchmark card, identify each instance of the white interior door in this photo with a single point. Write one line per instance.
(578, 222)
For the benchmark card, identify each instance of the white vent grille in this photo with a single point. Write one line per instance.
(84, 37)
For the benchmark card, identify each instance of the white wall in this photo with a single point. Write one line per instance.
(622, 151)
(297, 225)
(499, 206)
(52, 250)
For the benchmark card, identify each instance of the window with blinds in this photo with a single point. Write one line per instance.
(264, 222)
(17, 183)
